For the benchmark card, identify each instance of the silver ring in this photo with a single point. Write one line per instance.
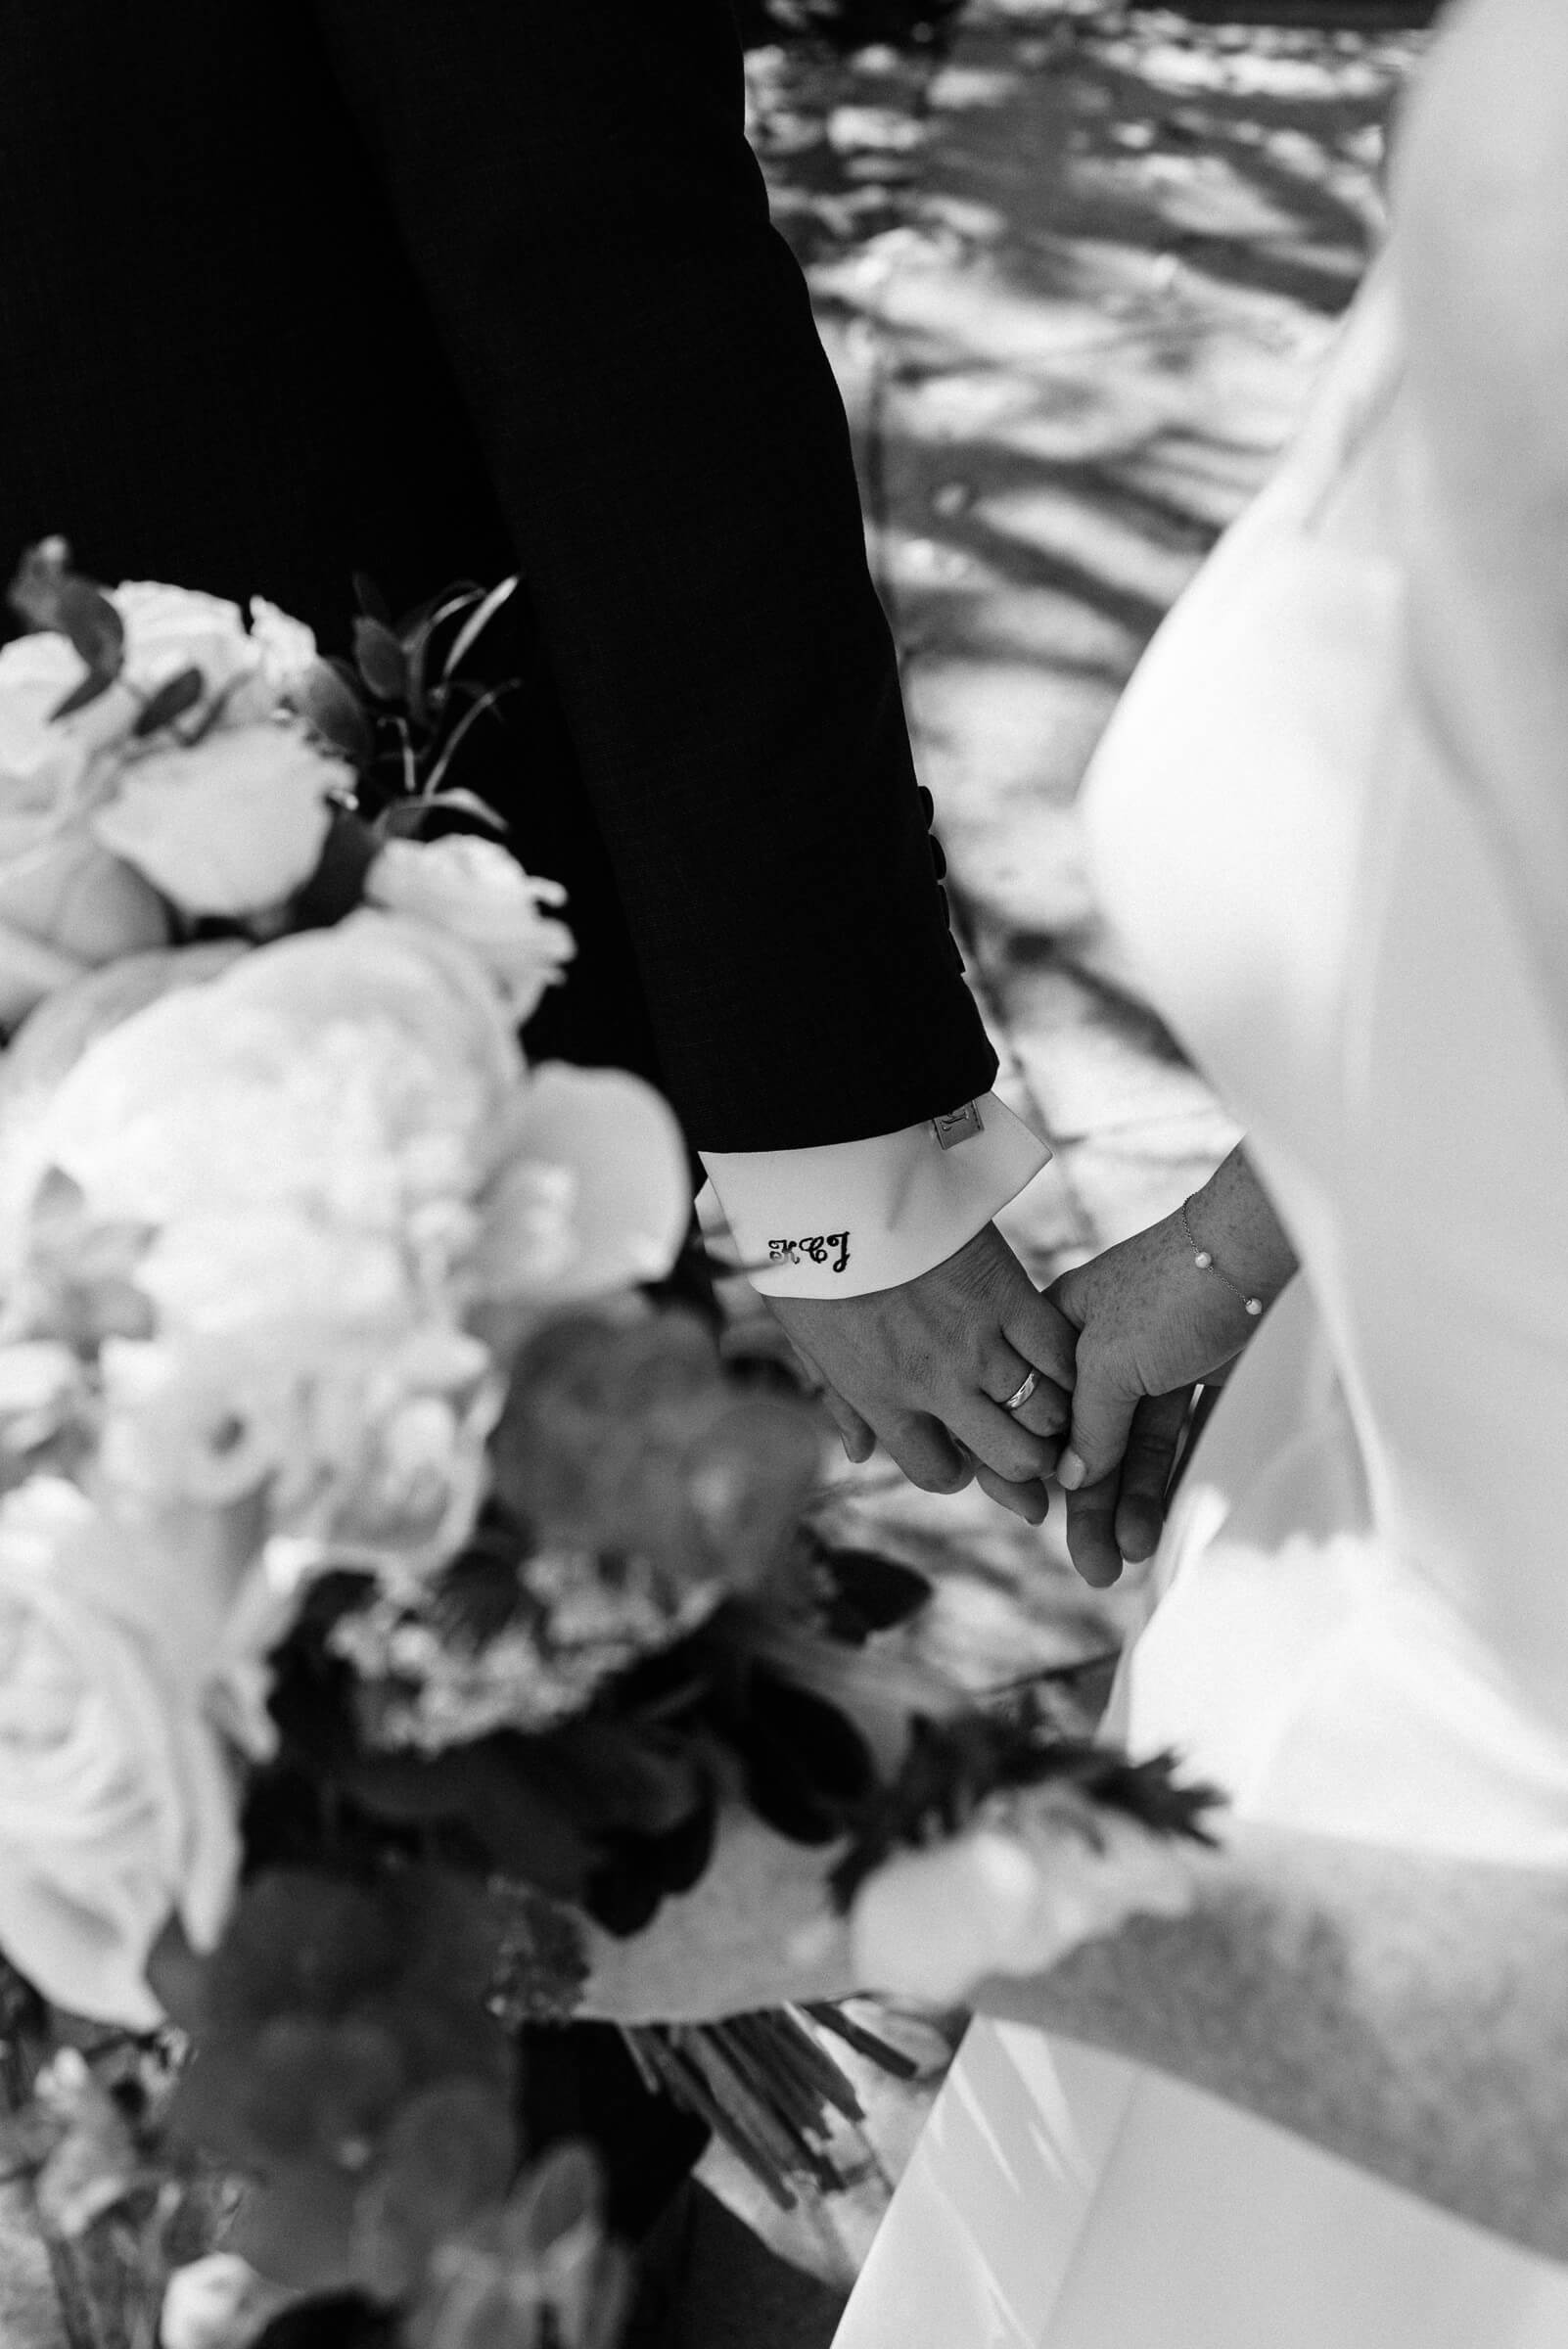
(1016, 1402)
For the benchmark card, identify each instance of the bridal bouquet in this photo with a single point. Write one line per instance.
(387, 1577)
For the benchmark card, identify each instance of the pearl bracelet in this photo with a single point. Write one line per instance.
(1203, 1258)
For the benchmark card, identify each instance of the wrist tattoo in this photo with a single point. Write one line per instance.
(819, 1248)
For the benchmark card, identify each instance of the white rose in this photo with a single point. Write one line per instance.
(41, 762)
(117, 1807)
(168, 629)
(44, 759)
(285, 649)
(251, 671)
(476, 892)
(68, 906)
(232, 826)
(1010, 1897)
(65, 903)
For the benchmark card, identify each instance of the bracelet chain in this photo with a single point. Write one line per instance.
(1203, 1258)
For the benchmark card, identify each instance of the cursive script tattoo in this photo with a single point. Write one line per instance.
(819, 1248)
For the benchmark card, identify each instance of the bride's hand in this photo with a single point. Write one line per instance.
(1153, 1323)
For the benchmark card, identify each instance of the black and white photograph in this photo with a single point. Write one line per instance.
(784, 1175)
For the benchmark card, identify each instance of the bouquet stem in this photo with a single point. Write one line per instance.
(771, 2092)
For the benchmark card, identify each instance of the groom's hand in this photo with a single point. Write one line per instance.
(925, 1368)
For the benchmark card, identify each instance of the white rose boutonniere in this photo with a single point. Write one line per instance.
(231, 826)
(476, 892)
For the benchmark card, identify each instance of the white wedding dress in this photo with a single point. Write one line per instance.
(1363, 1623)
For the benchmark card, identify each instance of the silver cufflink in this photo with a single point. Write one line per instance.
(958, 1125)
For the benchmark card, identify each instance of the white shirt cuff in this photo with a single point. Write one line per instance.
(848, 1217)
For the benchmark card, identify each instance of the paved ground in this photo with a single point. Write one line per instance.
(1077, 277)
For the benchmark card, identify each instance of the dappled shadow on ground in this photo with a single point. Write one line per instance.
(1232, 155)
(1077, 276)
(1074, 277)
(844, 24)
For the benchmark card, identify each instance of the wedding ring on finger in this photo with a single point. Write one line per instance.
(1022, 1393)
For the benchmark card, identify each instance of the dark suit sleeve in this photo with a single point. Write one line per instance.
(637, 349)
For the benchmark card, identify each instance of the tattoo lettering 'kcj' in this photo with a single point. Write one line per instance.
(819, 1248)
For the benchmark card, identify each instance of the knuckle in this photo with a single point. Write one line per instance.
(929, 1464)
(1024, 1456)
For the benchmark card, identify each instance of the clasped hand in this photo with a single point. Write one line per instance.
(1119, 1345)
(1150, 1330)
(927, 1369)
(1154, 1322)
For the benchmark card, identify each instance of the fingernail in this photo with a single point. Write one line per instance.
(1069, 1471)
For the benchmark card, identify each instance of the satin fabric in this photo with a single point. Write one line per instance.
(1359, 1617)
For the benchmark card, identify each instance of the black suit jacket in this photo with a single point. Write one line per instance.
(430, 287)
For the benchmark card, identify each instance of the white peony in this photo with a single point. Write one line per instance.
(358, 1076)
(476, 892)
(305, 1143)
(348, 1197)
(233, 1273)
(116, 1801)
(199, 1420)
(230, 826)
(358, 1442)
(394, 1465)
